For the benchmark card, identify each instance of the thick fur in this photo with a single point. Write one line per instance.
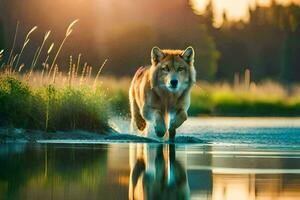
(155, 99)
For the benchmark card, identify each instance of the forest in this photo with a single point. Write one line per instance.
(268, 44)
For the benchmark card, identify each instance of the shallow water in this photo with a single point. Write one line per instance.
(240, 159)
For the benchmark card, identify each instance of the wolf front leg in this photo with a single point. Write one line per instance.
(160, 125)
(179, 118)
(155, 116)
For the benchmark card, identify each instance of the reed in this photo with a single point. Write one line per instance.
(98, 73)
(73, 73)
(68, 33)
(1, 54)
(55, 74)
(47, 34)
(21, 67)
(34, 57)
(13, 45)
(78, 64)
(83, 73)
(70, 72)
(48, 53)
(13, 61)
(26, 41)
(90, 72)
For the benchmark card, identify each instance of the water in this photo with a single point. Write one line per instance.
(239, 159)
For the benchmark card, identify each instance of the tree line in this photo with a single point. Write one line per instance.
(268, 44)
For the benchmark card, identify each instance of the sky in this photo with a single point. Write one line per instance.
(235, 9)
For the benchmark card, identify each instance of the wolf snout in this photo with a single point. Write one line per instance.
(174, 83)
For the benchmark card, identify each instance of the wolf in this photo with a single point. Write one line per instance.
(159, 94)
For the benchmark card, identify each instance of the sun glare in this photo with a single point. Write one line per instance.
(235, 10)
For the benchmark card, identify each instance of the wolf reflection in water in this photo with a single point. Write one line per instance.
(100, 171)
(161, 177)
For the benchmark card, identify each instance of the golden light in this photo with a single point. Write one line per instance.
(235, 10)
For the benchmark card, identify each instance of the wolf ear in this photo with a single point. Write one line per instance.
(188, 55)
(156, 55)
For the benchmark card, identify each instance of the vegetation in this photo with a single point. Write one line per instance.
(265, 99)
(26, 103)
(46, 96)
(51, 108)
(224, 99)
(36, 104)
(268, 44)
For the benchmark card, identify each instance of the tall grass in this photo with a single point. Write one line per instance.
(26, 41)
(98, 73)
(41, 101)
(68, 33)
(13, 45)
(47, 34)
(51, 108)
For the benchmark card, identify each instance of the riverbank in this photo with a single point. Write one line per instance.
(40, 105)
(220, 131)
(18, 135)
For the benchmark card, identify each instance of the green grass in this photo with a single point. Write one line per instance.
(51, 108)
(265, 99)
(237, 105)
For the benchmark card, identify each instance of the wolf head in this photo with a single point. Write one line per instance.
(172, 70)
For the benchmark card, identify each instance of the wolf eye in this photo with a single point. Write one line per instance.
(166, 68)
(180, 69)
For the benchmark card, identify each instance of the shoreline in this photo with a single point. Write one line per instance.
(196, 130)
(10, 135)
